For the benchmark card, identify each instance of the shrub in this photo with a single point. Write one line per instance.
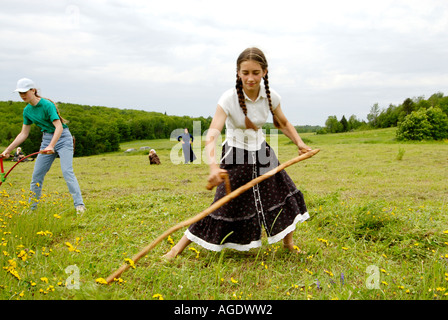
(439, 122)
(424, 124)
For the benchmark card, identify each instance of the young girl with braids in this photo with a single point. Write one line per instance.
(276, 203)
(56, 140)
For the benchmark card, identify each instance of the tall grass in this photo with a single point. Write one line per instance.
(378, 228)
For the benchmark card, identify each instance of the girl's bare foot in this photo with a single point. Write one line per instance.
(289, 246)
(178, 248)
(171, 254)
(288, 243)
(293, 248)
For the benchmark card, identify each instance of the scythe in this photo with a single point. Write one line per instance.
(210, 209)
(5, 175)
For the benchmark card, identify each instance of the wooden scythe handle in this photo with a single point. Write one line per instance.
(209, 210)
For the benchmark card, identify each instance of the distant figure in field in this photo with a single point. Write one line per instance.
(187, 139)
(18, 155)
(153, 157)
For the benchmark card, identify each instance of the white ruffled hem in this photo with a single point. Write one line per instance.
(219, 247)
(291, 228)
(253, 244)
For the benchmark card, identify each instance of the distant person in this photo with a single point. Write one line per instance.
(18, 155)
(187, 140)
(56, 140)
(275, 204)
(153, 157)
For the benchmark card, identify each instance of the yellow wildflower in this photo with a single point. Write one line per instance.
(101, 281)
(158, 296)
(22, 255)
(14, 273)
(45, 233)
(119, 281)
(194, 250)
(233, 280)
(71, 248)
(45, 253)
(12, 263)
(323, 241)
(11, 269)
(130, 262)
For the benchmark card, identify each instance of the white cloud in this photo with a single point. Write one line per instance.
(325, 57)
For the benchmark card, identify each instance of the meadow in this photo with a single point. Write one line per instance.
(378, 228)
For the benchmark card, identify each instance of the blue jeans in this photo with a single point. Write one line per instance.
(63, 148)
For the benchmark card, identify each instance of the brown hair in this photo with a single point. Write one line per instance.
(253, 54)
(57, 109)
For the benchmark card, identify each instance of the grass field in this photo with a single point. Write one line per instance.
(378, 228)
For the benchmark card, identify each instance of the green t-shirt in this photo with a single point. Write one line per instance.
(43, 114)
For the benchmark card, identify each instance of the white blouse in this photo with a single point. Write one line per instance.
(237, 135)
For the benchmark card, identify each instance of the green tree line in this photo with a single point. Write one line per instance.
(416, 119)
(96, 129)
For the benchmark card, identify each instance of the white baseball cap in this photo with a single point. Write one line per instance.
(25, 84)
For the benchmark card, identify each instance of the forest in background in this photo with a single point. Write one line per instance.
(96, 129)
(416, 119)
(100, 129)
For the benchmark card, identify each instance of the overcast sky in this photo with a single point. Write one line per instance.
(325, 57)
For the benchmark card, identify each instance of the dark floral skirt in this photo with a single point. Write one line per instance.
(275, 203)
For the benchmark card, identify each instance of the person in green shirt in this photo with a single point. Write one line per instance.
(56, 140)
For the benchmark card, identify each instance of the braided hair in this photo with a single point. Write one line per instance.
(256, 55)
